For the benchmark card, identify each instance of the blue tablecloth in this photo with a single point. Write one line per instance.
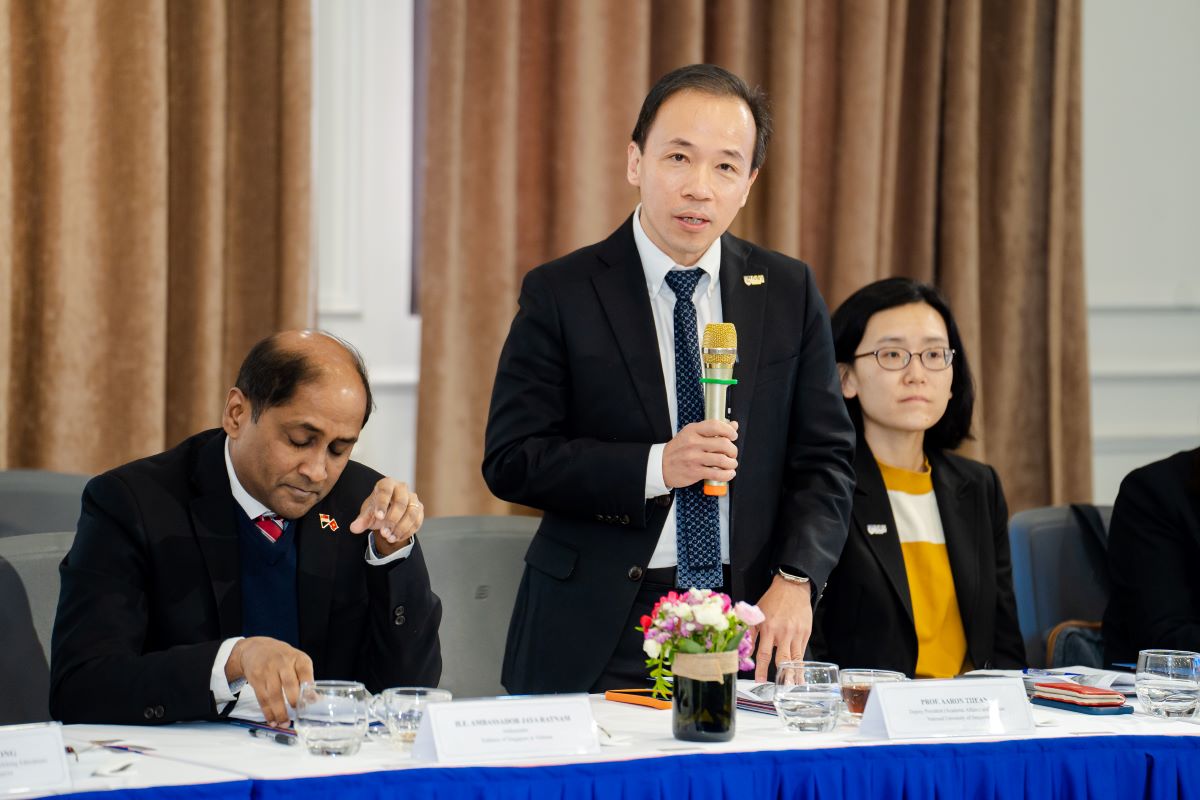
(1091, 768)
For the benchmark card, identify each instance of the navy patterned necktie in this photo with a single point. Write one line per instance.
(697, 524)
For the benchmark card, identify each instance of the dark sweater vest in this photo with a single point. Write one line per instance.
(269, 604)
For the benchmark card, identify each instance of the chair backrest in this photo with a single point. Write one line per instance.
(28, 601)
(475, 566)
(1059, 571)
(34, 501)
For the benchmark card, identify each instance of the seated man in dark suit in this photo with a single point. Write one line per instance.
(1154, 560)
(226, 571)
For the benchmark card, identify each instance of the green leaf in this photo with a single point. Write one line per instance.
(688, 646)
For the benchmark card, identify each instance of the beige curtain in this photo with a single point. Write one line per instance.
(932, 138)
(154, 215)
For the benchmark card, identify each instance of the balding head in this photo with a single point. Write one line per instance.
(281, 363)
(293, 418)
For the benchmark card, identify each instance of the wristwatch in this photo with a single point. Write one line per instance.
(791, 575)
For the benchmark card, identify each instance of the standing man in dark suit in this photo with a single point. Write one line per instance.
(596, 416)
(216, 577)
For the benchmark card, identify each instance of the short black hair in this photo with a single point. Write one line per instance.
(713, 80)
(271, 374)
(850, 322)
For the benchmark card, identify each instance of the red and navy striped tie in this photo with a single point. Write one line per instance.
(270, 525)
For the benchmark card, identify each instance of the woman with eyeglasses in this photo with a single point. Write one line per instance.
(924, 584)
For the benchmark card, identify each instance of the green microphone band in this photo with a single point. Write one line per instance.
(720, 381)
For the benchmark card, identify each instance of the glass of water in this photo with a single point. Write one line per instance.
(331, 717)
(808, 695)
(402, 708)
(1168, 682)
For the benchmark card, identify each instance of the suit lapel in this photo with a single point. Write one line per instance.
(626, 302)
(873, 509)
(214, 519)
(959, 508)
(745, 307)
(316, 562)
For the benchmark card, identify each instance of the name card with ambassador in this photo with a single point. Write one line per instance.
(33, 759)
(506, 728)
(925, 709)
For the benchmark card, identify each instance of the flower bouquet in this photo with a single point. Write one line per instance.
(695, 643)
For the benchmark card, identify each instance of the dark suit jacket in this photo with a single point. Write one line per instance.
(579, 398)
(866, 617)
(151, 587)
(1154, 560)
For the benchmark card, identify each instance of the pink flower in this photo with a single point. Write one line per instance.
(751, 615)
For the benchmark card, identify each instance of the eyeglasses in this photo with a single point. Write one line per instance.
(895, 359)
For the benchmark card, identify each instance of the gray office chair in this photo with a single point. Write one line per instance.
(475, 566)
(28, 602)
(34, 501)
(1060, 575)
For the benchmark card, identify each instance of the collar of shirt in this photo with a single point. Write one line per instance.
(656, 264)
(252, 507)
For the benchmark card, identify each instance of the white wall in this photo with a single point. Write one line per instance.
(1141, 171)
(1141, 156)
(363, 211)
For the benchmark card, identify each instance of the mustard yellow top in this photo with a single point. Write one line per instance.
(941, 641)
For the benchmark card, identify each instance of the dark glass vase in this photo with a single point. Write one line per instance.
(703, 710)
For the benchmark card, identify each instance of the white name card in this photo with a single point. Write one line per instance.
(32, 759)
(501, 728)
(925, 709)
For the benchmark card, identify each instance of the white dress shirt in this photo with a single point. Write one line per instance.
(247, 704)
(707, 299)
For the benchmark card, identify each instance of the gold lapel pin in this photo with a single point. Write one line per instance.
(754, 280)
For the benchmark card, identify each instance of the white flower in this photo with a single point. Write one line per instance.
(651, 648)
(681, 610)
(710, 615)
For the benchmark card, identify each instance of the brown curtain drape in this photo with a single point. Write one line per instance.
(938, 139)
(154, 216)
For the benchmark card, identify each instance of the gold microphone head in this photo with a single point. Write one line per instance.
(718, 348)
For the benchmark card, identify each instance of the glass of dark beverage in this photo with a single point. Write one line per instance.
(856, 688)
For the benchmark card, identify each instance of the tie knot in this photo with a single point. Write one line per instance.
(683, 282)
(270, 525)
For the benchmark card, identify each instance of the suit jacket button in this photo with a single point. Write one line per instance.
(159, 711)
(663, 500)
(148, 712)
(624, 519)
(599, 518)
(635, 573)
(398, 613)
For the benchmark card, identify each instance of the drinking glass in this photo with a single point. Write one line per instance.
(1168, 682)
(402, 708)
(856, 688)
(331, 717)
(807, 695)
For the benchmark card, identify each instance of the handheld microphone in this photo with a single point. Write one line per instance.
(718, 353)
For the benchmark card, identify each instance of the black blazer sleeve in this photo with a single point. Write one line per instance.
(1008, 650)
(1153, 558)
(400, 646)
(531, 454)
(99, 672)
(818, 479)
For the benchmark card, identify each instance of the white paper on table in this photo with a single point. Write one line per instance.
(246, 706)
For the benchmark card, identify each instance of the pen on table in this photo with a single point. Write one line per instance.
(279, 737)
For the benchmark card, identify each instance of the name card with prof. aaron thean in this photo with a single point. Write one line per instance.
(926, 709)
(507, 728)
